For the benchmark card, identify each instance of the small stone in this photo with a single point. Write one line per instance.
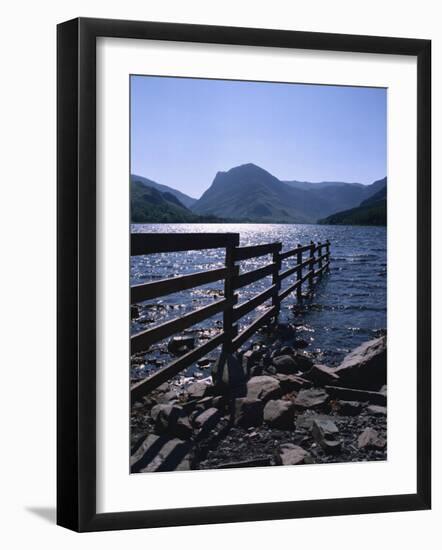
(181, 344)
(293, 455)
(325, 432)
(312, 398)
(305, 421)
(248, 412)
(377, 410)
(134, 312)
(370, 439)
(263, 388)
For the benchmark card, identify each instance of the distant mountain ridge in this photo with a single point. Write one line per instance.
(182, 197)
(309, 185)
(248, 193)
(371, 211)
(149, 205)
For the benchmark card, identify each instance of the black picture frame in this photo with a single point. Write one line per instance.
(76, 272)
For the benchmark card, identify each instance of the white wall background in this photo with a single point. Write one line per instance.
(27, 217)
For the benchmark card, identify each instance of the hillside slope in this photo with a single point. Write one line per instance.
(184, 199)
(371, 211)
(148, 205)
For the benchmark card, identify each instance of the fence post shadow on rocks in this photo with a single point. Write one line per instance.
(229, 372)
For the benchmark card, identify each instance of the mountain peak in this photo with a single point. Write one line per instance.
(248, 167)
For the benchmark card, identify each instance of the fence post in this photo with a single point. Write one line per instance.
(320, 258)
(311, 266)
(299, 274)
(327, 247)
(230, 330)
(275, 278)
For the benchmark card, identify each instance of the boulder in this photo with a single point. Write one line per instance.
(291, 364)
(321, 375)
(311, 398)
(290, 454)
(178, 345)
(161, 454)
(292, 382)
(377, 410)
(248, 412)
(263, 388)
(370, 439)
(285, 364)
(279, 414)
(352, 394)
(326, 434)
(172, 420)
(198, 390)
(366, 366)
(207, 419)
(168, 396)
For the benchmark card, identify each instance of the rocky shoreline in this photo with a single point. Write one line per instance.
(269, 405)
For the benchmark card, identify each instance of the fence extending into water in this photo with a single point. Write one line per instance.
(310, 262)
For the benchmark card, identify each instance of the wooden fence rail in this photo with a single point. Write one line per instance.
(230, 337)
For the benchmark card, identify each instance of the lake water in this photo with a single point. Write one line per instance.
(348, 306)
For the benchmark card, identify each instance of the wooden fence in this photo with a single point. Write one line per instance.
(311, 261)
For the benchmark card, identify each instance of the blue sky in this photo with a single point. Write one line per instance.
(185, 130)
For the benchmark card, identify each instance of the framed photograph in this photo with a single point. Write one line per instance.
(243, 307)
